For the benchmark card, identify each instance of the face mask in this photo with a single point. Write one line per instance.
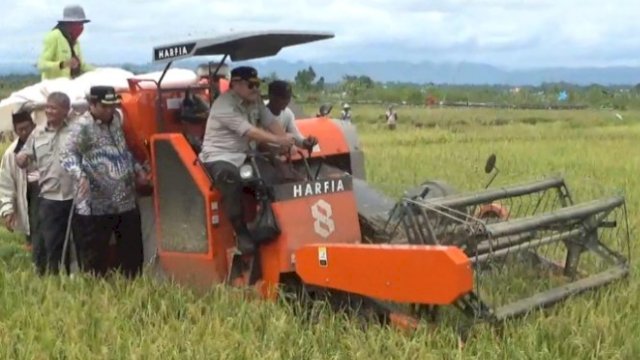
(75, 30)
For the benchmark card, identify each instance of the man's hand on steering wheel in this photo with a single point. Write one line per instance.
(309, 143)
(283, 146)
(286, 141)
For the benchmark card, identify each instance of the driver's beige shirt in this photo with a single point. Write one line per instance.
(229, 120)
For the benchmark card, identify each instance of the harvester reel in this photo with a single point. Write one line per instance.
(430, 189)
(530, 238)
(444, 223)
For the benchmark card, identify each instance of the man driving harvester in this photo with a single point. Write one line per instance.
(233, 128)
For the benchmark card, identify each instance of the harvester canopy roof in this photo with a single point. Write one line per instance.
(238, 46)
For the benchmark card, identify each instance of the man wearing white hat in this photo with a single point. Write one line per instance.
(61, 55)
(346, 113)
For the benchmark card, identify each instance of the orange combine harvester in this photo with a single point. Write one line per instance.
(494, 253)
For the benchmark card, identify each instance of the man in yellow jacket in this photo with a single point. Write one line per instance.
(61, 55)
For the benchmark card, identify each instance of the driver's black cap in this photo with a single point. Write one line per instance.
(245, 73)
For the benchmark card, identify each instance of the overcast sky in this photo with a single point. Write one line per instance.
(508, 33)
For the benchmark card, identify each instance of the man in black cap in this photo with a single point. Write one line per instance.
(42, 149)
(106, 175)
(235, 124)
(19, 187)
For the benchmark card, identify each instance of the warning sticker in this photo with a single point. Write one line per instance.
(322, 256)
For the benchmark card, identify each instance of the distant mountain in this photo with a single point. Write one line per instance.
(9, 68)
(461, 73)
(423, 72)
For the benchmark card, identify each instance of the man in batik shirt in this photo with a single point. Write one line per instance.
(105, 175)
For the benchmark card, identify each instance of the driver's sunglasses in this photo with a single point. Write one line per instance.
(253, 84)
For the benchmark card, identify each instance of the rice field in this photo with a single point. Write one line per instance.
(59, 317)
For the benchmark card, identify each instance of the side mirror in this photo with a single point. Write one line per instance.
(490, 164)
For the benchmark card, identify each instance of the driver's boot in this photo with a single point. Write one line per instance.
(244, 240)
(245, 244)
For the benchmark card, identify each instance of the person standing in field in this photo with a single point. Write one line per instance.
(43, 149)
(19, 187)
(392, 117)
(61, 54)
(346, 113)
(105, 174)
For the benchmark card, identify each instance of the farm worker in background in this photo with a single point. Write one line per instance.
(280, 93)
(233, 126)
(324, 110)
(106, 175)
(19, 187)
(61, 55)
(392, 117)
(42, 149)
(346, 113)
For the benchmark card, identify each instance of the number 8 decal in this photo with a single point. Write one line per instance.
(321, 211)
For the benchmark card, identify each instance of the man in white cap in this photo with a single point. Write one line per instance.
(61, 55)
(346, 113)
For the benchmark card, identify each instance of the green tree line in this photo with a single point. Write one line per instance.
(309, 87)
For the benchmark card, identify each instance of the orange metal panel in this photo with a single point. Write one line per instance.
(194, 272)
(140, 108)
(436, 275)
(140, 114)
(331, 140)
(139, 121)
(224, 85)
(298, 225)
(211, 266)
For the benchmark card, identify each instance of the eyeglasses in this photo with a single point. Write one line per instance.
(253, 84)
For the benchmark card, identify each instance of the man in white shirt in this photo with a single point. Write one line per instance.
(42, 151)
(346, 113)
(19, 188)
(280, 93)
(392, 117)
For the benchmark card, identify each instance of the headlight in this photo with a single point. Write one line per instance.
(246, 172)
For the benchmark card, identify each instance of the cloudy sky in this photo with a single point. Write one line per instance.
(507, 33)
